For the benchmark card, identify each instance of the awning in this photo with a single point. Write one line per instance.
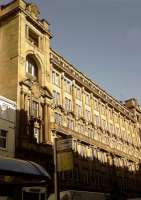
(17, 167)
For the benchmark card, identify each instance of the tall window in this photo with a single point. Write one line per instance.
(111, 128)
(78, 93)
(68, 104)
(35, 109)
(96, 104)
(56, 78)
(81, 127)
(56, 96)
(88, 115)
(70, 123)
(58, 118)
(33, 37)
(110, 113)
(103, 109)
(68, 85)
(87, 98)
(3, 138)
(37, 134)
(78, 110)
(96, 120)
(31, 67)
(103, 123)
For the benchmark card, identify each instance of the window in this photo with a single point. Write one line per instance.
(111, 128)
(70, 123)
(74, 145)
(68, 104)
(110, 113)
(96, 104)
(117, 131)
(88, 115)
(87, 99)
(33, 37)
(103, 122)
(67, 86)
(81, 128)
(97, 120)
(31, 67)
(56, 96)
(58, 118)
(56, 78)
(103, 109)
(78, 93)
(3, 138)
(35, 109)
(37, 134)
(78, 110)
(89, 132)
(115, 117)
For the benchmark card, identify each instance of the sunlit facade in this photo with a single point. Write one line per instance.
(55, 99)
(93, 117)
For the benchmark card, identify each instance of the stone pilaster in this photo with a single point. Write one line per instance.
(73, 97)
(62, 89)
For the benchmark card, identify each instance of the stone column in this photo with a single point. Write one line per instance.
(46, 123)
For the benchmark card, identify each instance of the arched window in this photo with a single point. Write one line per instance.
(31, 67)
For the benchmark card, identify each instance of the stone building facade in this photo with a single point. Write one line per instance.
(7, 127)
(54, 98)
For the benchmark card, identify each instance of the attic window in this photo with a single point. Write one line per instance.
(33, 37)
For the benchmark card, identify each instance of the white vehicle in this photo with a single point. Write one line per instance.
(34, 193)
(77, 195)
(135, 199)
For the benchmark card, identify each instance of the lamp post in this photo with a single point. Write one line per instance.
(56, 177)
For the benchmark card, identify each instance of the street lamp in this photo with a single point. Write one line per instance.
(56, 176)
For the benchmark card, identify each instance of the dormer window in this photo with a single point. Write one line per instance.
(31, 67)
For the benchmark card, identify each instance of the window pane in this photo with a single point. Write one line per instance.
(33, 37)
(56, 78)
(3, 133)
(35, 109)
(37, 134)
(3, 137)
(31, 67)
(58, 118)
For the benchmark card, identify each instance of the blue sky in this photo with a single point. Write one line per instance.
(102, 38)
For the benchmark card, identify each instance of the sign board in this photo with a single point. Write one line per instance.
(64, 144)
(64, 154)
(65, 161)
